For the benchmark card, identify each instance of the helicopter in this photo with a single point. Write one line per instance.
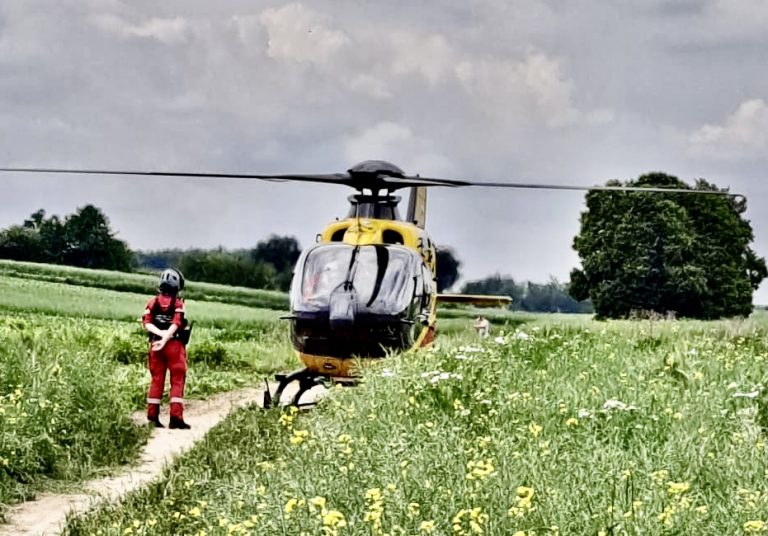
(367, 287)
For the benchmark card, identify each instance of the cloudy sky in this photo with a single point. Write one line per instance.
(574, 92)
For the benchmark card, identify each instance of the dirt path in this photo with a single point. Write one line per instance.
(46, 515)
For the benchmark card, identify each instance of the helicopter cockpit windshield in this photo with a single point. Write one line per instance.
(382, 277)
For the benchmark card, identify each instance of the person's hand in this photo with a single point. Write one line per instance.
(159, 345)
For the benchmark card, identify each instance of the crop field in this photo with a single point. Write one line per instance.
(72, 370)
(553, 427)
(141, 283)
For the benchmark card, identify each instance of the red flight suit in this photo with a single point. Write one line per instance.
(162, 311)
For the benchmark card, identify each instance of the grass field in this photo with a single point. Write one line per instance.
(554, 425)
(72, 370)
(141, 284)
(558, 427)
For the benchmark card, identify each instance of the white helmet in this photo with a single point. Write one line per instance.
(171, 280)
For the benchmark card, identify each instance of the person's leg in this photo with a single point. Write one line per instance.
(157, 368)
(177, 365)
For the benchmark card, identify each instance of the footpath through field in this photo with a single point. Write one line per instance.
(47, 514)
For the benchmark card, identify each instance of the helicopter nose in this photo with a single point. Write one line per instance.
(342, 308)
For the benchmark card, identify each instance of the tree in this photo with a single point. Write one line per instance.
(666, 252)
(497, 285)
(227, 268)
(91, 244)
(447, 268)
(550, 297)
(21, 244)
(281, 252)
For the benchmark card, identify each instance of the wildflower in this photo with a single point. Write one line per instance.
(291, 505)
(755, 526)
(534, 429)
(318, 502)
(299, 436)
(413, 509)
(660, 476)
(572, 422)
(523, 502)
(677, 488)
(478, 470)
(334, 519)
(427, 527)
(583, 414)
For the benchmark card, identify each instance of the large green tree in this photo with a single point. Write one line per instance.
(82, 239)
(447, 265)
(281, 252)
(681, 253)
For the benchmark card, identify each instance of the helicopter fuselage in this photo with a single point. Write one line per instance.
(366, 288)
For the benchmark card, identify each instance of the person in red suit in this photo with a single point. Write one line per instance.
(168, 334)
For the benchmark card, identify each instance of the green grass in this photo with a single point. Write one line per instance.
(141, 284)
(555, 428)
(73, 368)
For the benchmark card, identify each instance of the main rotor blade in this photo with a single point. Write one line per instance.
(532, 186)
(333, 178)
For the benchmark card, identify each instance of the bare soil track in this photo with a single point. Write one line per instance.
(46, 515)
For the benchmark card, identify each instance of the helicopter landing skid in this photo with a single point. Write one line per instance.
(307, 380)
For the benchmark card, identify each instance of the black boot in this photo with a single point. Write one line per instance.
(156, 422)
(178, 424)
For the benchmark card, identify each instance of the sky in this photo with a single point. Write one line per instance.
(576, 92)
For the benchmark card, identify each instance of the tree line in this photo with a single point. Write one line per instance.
(641, 252)
(85, 239)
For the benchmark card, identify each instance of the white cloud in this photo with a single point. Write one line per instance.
(514, 88)
(297, 34)
(551, 91)
(428, 55)
(743, 134)
(398, 144)
(371, 86)
(171, 31)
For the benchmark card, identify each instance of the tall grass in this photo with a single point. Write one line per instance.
(73, 369)
(63, 412)
(141, 284)
(565, 428)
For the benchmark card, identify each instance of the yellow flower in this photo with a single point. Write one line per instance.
(194, 512)
(572, 422)
(534, 429)
(413, 509)
(334, 518)
(318, 501)
(373, 494)
(299, 436)
(755, 526)
(677, 488)
(427, 527)
(291, 505)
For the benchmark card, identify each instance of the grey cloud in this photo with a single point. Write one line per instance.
(560, 92)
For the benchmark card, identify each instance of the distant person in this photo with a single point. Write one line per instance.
(168, 334)
(482, 326)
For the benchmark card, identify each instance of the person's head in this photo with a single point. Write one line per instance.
(171, 282)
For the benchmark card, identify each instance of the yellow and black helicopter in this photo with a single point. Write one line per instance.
(368, 285)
